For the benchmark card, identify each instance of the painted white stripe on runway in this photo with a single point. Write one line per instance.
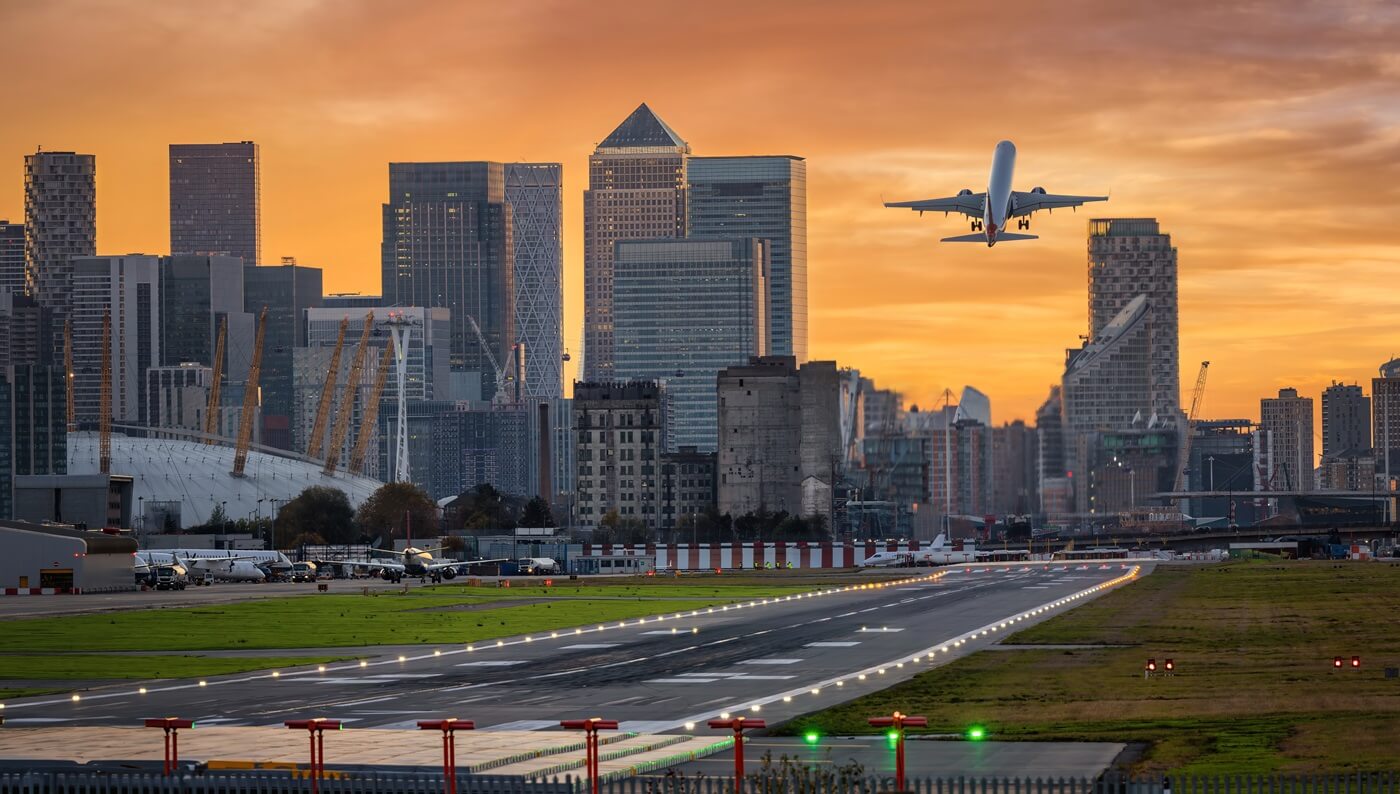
(831, 644)
(522, 725)
(493, 663)
(677, 630)
(588, 646)
(681, 680)
(759, 677)
(881, 630)
(770, 661)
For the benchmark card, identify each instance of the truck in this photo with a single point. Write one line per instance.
(303, 572)
(536, 566)
(170, 577)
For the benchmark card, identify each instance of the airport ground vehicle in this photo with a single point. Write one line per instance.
(169, 577)
(303, 572)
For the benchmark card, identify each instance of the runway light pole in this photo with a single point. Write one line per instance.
(171, 726)
(898, 722)
(315, 730)
(590, 727)
(449, 746)
(738, 725)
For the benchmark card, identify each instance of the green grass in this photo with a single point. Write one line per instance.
(679, 588)
(75, 666)
(1254, 692)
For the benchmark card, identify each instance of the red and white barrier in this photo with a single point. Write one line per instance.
(740, 556)
(9, 591)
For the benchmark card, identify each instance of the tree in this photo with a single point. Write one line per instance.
(397, 508)
(319, 510)
(613, 528)
(537, 514)
(484, 507)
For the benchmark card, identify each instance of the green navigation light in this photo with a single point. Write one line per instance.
(811, 737)
(976, 733)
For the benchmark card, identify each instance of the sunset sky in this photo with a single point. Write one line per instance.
(1264, 136)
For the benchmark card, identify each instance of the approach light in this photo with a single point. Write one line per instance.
(976, 733)
(811, 737)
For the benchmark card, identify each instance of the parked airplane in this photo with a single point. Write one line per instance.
(231, 567)
(990, 211)
(937, 553)
(415, 562)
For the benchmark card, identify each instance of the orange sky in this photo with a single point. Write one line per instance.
(1268, 144)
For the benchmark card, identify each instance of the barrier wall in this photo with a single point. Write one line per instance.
(735, 556)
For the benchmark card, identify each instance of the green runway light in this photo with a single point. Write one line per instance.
(811, 737)
(976, 733)
(893, 737)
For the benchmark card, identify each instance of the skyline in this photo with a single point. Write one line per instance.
(1291, 138)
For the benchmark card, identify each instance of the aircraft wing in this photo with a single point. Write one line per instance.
(970, 204)
(436, 565)
(1027, 203)
(387, 565)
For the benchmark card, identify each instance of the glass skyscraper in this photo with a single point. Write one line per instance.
(288, 291)
(535, 192)
(684, 310)
(11, 257)
(33, 426)
(765, 197)
(215, 204)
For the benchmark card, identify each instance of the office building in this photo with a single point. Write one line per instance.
(215, 200)
(448, 244)
(1128, 258)
(454, 447)
(687, 488)
(779, 436)
(636, 190)
(309, 368)
(1346, 420)
(197, 292)
(11, 258)
(351, 300)
(1288, 421)
(1015, 469)
(960, 476)
(427, 361)
(33, 426)
(26, 331)
(763, 197)
(126, 289)
(60, 223)
(177, 403)
(620, 430)
(1055, 480)
(1385, 410)
(288, 291)
(898, 478)
(535, 193)
(1222, 459)
(682, 311)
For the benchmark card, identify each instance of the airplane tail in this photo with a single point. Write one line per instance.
(979, 237)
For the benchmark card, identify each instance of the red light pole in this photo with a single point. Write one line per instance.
(315, 731)
(590, 727)
(899, 722)
(738, 725)
(449, 746)
(171, 726)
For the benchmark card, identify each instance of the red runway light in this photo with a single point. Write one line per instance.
(1337, 661)
(1356, 661)
(1151, 665)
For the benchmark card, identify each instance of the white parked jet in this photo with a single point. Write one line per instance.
(936, 553)
(992, 210)
(230, 567)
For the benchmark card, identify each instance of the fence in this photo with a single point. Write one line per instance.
(268, 782)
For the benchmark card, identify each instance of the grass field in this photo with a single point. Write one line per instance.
(82, 666)
(1254, 691)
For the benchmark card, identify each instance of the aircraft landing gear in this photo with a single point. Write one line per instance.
(1023, 223)
(977, 226)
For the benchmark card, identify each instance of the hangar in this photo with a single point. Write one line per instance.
(45, 559)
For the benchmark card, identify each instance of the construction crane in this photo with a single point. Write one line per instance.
(1196, 397)
(104, 421)
(500, 397)
(68, 373)
(212, 410)
(370, 414)
(250, 399)
(347, 402)
(323, 410)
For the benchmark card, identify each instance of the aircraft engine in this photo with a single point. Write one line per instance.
(449, 573)
(1039, 190)
(968, 192)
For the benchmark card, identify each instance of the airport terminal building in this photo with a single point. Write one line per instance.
(43, 560)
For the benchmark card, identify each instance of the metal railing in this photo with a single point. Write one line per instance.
(268, 782)
(835, 783)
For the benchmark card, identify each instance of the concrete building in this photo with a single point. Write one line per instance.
(448, 244)
(535, 193)
(1125, 467)
(682, 311)
(763, 197)
(961, 468)
(1015, 469)
(351, 300)
(1055, 479)
(43, 559)
(33, 426)
(83, 500)
(882, 408)
(26, 331)
(1346, 420)
(288, 291)
(11, 258)
(1385, 411)
(636, 190)
(1288, 421)
(215, 200)
(1222, 459)
(177, 399)
(620, 431)
(687, 487)
(455, 446)
(779, 436)
(126, 288)
(60, 221)
(898, 473)
(1128, 258)
(197, 291)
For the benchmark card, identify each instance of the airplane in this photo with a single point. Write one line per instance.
(233, 568)
(415, 562)
(937, 553)
(990, 211)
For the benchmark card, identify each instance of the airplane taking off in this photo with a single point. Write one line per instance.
(990, 211)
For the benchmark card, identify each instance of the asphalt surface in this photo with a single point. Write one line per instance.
(786, 657)
(217, 593)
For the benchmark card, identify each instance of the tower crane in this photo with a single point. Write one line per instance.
(500, 397)
(250, 399)
(1196, 397)
(370, 414)
(323, 409)
(104, 420)
(347, 401)
(68, 373)
(211, 411)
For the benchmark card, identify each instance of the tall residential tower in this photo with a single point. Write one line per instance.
(60, 221)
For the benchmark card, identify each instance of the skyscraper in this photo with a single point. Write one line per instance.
(215, 205)
(1288, 421)
(1385, 410)
(636, 189)
(684, 310)
(288, 291)
(196, 291)
(33, 426)
(1129, 257)
(535, 192)
(1346, 420)
(765, 197)
(448, 243)
(60, 223)
(128, 287)
(11, 257)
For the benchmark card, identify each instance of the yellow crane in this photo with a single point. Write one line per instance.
(68, 373)
(211, 411)
(323, 410)
(250, 399)
(104, 420)
(1185, 460)
(347, 402)
(370, 414)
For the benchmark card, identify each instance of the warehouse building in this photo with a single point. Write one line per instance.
(44, 559)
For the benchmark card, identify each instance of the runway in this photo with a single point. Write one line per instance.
(773, 658)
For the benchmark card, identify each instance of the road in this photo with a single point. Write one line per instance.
(786, 657)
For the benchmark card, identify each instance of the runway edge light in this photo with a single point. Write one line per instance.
(976, 733)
